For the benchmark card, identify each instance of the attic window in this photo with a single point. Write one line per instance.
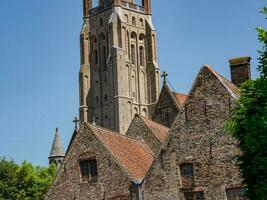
(88, 169)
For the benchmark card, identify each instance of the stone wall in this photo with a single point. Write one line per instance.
(112, 183)
(197, 137)
(141, 132)
(166, 109)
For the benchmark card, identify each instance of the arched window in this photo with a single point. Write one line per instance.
(95, 56)
(133, 36)
(144, 112)
(133, 54)
(142, 38)
(141, 22)
(102, 37)
(141, 56)
(187, 170)
(133, 21)
(126, 18)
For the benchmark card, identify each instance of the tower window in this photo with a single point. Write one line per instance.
(88, 169)
(126, 18)
(133, 54)
(187, 170)
(106, 97)
(141, 56)
(141, 22)
(101, 23)
(96, 56)
(133, 21)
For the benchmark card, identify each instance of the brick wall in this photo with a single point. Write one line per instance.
(113, 183)
(197, 137)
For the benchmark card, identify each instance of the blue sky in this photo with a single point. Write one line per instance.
(39, 60)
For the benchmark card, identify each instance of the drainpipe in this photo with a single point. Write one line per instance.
(138, 184)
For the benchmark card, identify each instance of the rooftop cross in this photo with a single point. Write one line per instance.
(164, 76)
(75, 121)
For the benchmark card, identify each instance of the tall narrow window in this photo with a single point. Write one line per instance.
(133, 21)
(104, 56)
(133, 54)
(88, 169)
(95, 56)
(141, 56)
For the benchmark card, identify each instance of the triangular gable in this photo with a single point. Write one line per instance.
(162, 97)
(229, 87)
(132, 155)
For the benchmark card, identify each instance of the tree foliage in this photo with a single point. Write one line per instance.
(249, 126)
(24, 181)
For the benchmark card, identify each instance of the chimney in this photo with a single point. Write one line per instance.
(147, 6)
(240, 70)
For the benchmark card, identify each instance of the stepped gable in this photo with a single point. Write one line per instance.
(157, 129)
(133, 155)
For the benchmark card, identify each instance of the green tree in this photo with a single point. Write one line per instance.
(24, 182)
(249, 126)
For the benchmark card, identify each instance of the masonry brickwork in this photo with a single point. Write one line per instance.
(198, 137)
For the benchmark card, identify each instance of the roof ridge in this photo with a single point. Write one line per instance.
(222, 79)
(107, 131)
(153, 121)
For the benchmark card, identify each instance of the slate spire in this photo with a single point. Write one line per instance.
(57, 152)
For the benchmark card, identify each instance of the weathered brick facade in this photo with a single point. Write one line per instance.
(148, 131)
(112, 180)
(168, 106)
(198, 137)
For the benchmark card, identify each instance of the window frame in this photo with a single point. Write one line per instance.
(186, 174)
(237, 192)
(91, 175)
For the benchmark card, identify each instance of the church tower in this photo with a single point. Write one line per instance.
(119, 74)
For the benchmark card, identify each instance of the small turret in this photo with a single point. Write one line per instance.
(57, 152)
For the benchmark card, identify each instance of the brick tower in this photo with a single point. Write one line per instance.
(119, 74)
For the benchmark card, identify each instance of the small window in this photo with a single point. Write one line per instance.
(126, 18)
(88, 170)
(187, 170)
(194, 196)
(141, 22)
(133, 21)
(236, 194)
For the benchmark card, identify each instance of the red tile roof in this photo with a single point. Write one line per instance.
(133, 155)
(158, 130)
(180, 98)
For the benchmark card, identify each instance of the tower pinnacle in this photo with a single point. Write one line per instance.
(57, 152)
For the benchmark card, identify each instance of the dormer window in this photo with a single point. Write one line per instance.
(88, 170)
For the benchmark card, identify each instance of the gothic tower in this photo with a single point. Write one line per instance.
(119, 74)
